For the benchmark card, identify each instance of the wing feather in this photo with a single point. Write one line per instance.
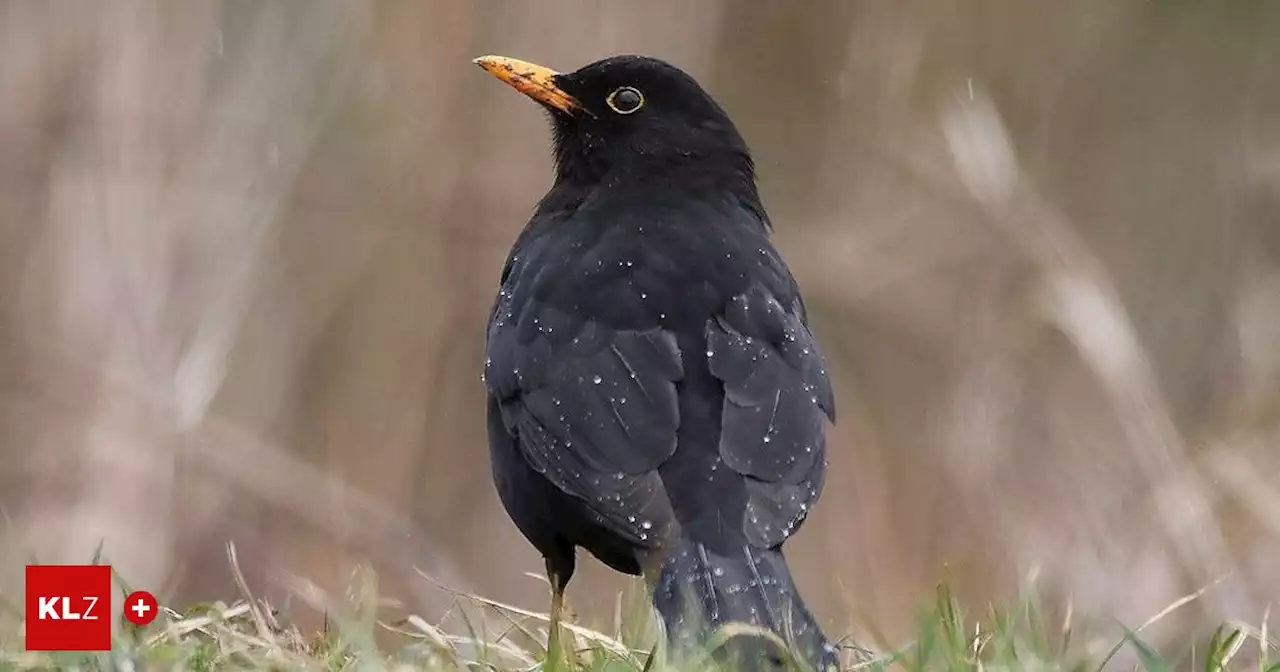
(776, 402)
(595, 412)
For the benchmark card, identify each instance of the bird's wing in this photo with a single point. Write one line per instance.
(594, 409)
(777, 397)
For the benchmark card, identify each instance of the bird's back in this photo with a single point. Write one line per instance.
(746, 457)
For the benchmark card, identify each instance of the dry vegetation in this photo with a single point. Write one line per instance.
(247, 250)
(476, 633)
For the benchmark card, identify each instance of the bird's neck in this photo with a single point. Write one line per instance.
(719, 172)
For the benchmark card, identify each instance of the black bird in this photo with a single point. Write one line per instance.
(655, 394)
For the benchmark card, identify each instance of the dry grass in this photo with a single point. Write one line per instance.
(476, 633)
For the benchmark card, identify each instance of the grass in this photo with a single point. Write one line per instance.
(250, 635)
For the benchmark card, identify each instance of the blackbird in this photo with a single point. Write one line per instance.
(655, 394)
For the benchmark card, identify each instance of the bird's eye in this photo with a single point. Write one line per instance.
(625, 100)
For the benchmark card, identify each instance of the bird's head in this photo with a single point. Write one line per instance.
(628, 115)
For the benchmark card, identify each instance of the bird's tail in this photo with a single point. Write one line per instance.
(705, 598)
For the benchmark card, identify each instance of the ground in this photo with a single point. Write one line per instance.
(248, 634)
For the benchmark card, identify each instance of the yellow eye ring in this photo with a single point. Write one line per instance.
(625, 100)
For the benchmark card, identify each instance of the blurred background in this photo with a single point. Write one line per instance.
(247, 252)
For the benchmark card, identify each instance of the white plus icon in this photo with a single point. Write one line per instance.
(140, 605)
(141, 608)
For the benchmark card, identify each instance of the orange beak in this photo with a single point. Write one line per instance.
(536, 81)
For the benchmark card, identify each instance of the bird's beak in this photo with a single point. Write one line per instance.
(536, 81)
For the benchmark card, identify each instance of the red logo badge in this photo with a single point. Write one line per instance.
(68, 608)
(140, 607)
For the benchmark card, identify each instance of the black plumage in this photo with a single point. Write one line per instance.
(655, 393)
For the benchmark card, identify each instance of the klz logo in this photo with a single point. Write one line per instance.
(49, 609)
(68, 608)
